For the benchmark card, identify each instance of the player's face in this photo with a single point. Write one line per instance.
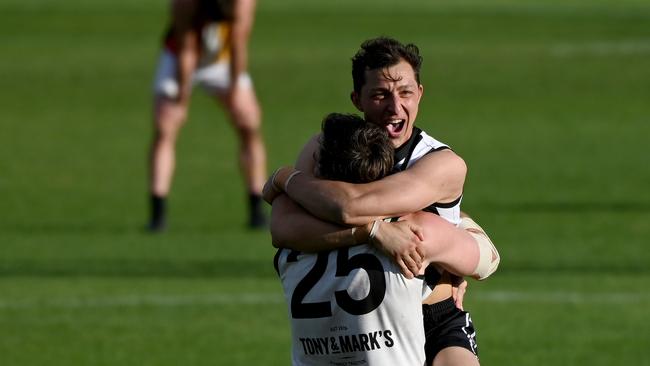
(390, 98)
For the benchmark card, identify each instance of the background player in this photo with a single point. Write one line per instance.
(206, 44)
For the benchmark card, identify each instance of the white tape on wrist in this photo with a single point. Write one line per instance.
(273, 181)
(373, 230)
(286, 183)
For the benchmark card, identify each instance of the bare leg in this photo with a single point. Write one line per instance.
(245, 115)
(455, 356)
(169, 116)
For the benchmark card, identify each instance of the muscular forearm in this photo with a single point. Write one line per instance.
(464, 251)
(330, 200)
(459, 255)
(294, 228)
(433, 179)
(446, 245)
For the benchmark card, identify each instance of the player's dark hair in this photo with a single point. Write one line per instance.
(382, 52)
(352, 150)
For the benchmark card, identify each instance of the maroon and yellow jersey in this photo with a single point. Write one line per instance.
(213, 23)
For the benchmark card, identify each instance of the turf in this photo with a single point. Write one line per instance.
(546, 101)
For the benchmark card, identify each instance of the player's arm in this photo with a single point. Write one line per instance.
(436, 177)
(242, 24)
(446, 245)
(293, 227)
(307, 233)
(464, 251)
(187, 40)
(489, 257)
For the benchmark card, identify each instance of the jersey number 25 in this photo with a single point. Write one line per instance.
(344, 266)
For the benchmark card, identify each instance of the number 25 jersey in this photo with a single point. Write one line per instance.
(351, 306)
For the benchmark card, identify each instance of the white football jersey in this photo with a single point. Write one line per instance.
(351, 306)
(419, 145)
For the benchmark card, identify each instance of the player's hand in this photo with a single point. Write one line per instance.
(402, 241)
(458, 289)
(274, 186)
(271, 190)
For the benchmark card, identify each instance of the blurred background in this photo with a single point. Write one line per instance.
(547, 101)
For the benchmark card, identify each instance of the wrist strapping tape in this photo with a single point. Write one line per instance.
(286, 183)
(373, 230)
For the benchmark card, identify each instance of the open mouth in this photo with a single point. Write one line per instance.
(394, 128)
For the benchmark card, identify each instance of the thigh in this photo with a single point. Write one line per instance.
(446, 326)
(455, 356)
(165, 83)
(169, 115)
(215, 78)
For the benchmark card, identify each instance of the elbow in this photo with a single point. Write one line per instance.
(344, 216)
(280, 239)
(281, 235)
(276, 239)
(454, 172)
(459, 173)
(348, 215)
(461, 167)
(488, 255)
(489, 258)
(340, 210)
(278, 244)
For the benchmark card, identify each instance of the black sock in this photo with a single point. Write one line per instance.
(158, 211)
(257, 218)
(255, 203)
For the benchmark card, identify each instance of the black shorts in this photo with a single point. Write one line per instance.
(445, 326)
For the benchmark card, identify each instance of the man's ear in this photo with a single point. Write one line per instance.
(354, 97)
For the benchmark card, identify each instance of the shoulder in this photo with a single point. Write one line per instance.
(424, 145)
(312, 145)
(438, 159)
(431, 142)
(307, 158)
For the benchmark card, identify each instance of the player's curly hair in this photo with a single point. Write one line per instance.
(382, 52)
(352, 150)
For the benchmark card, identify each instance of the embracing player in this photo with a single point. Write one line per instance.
(353, 306)
(387, 89)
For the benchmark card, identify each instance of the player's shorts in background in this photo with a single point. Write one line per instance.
(213, 78)
(445, 326)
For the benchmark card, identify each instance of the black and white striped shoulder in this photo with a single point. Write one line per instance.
(419, 145)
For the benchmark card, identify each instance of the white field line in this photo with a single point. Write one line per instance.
(160, 300)
(601, 48)
(562, 297)
(146, 300)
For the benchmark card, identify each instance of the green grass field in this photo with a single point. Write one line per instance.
(546, 101)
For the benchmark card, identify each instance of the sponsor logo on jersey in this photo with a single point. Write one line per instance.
(348, 343)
